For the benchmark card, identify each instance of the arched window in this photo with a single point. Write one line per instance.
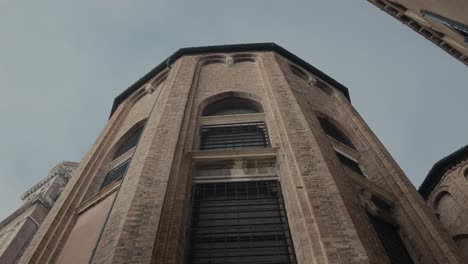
(331, 130)
(117, 171)
(448, 209)
(129, 143)
(240, 132)
(232, 106)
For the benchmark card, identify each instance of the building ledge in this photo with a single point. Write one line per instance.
(98, 197)
(223, 154)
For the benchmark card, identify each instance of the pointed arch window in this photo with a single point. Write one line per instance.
(118, 170)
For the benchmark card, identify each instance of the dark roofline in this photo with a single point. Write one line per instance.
(228, 48)
(438, 170)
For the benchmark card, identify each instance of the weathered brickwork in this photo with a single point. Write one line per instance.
(446, 192)
(327, 204)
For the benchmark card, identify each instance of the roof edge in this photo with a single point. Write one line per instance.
(267, 46)
(437, 171)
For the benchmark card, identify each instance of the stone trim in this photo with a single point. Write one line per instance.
(203, 155)
(440, 39)
(103, 194)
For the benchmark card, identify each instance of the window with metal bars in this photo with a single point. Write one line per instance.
(391, 241)
(232, 136)
(239, 222)
(354, 166)
(128, 144)
(331, 130)
(115, 174)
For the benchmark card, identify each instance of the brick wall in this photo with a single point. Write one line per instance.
(326, 207)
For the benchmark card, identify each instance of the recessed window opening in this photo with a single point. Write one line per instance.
(232, 106)
(239, 222)
(131, 142)
(299, 72)
(115, 174)
(233, 136)
(331, 130)
(391, 241)
(349, 163)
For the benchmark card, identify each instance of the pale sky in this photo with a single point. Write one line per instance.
(62, 63)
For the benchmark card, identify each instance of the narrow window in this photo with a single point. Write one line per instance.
(232, 136)
(391, 241)
(349, 163)
(131, 142)
(115, 174)
(239, 222)
(334, 132)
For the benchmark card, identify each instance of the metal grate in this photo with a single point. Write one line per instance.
(115, 174)
(335, 133)
(391, 241)
(239, 222)
(231, 136)
(354, 166)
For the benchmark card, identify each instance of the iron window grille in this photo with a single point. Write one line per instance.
(351, 164)
(335, 133)
(391, 241)
(115, 174)
(232, 136)
(239, 222)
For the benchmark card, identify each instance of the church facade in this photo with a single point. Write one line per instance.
(239, 154)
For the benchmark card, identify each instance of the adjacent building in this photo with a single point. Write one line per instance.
(239, 154)
(446, 191)
(444, 23)
(17, 230)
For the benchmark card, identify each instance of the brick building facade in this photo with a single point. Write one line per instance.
(239, 154)
(446, 191)
(18, 229)
(444, 23)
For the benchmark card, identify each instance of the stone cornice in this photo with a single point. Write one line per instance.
(59, 169)
(252, 47)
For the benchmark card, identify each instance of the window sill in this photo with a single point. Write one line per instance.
(368, 185)
(98, 197)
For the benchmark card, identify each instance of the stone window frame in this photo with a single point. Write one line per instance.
(229, 119)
